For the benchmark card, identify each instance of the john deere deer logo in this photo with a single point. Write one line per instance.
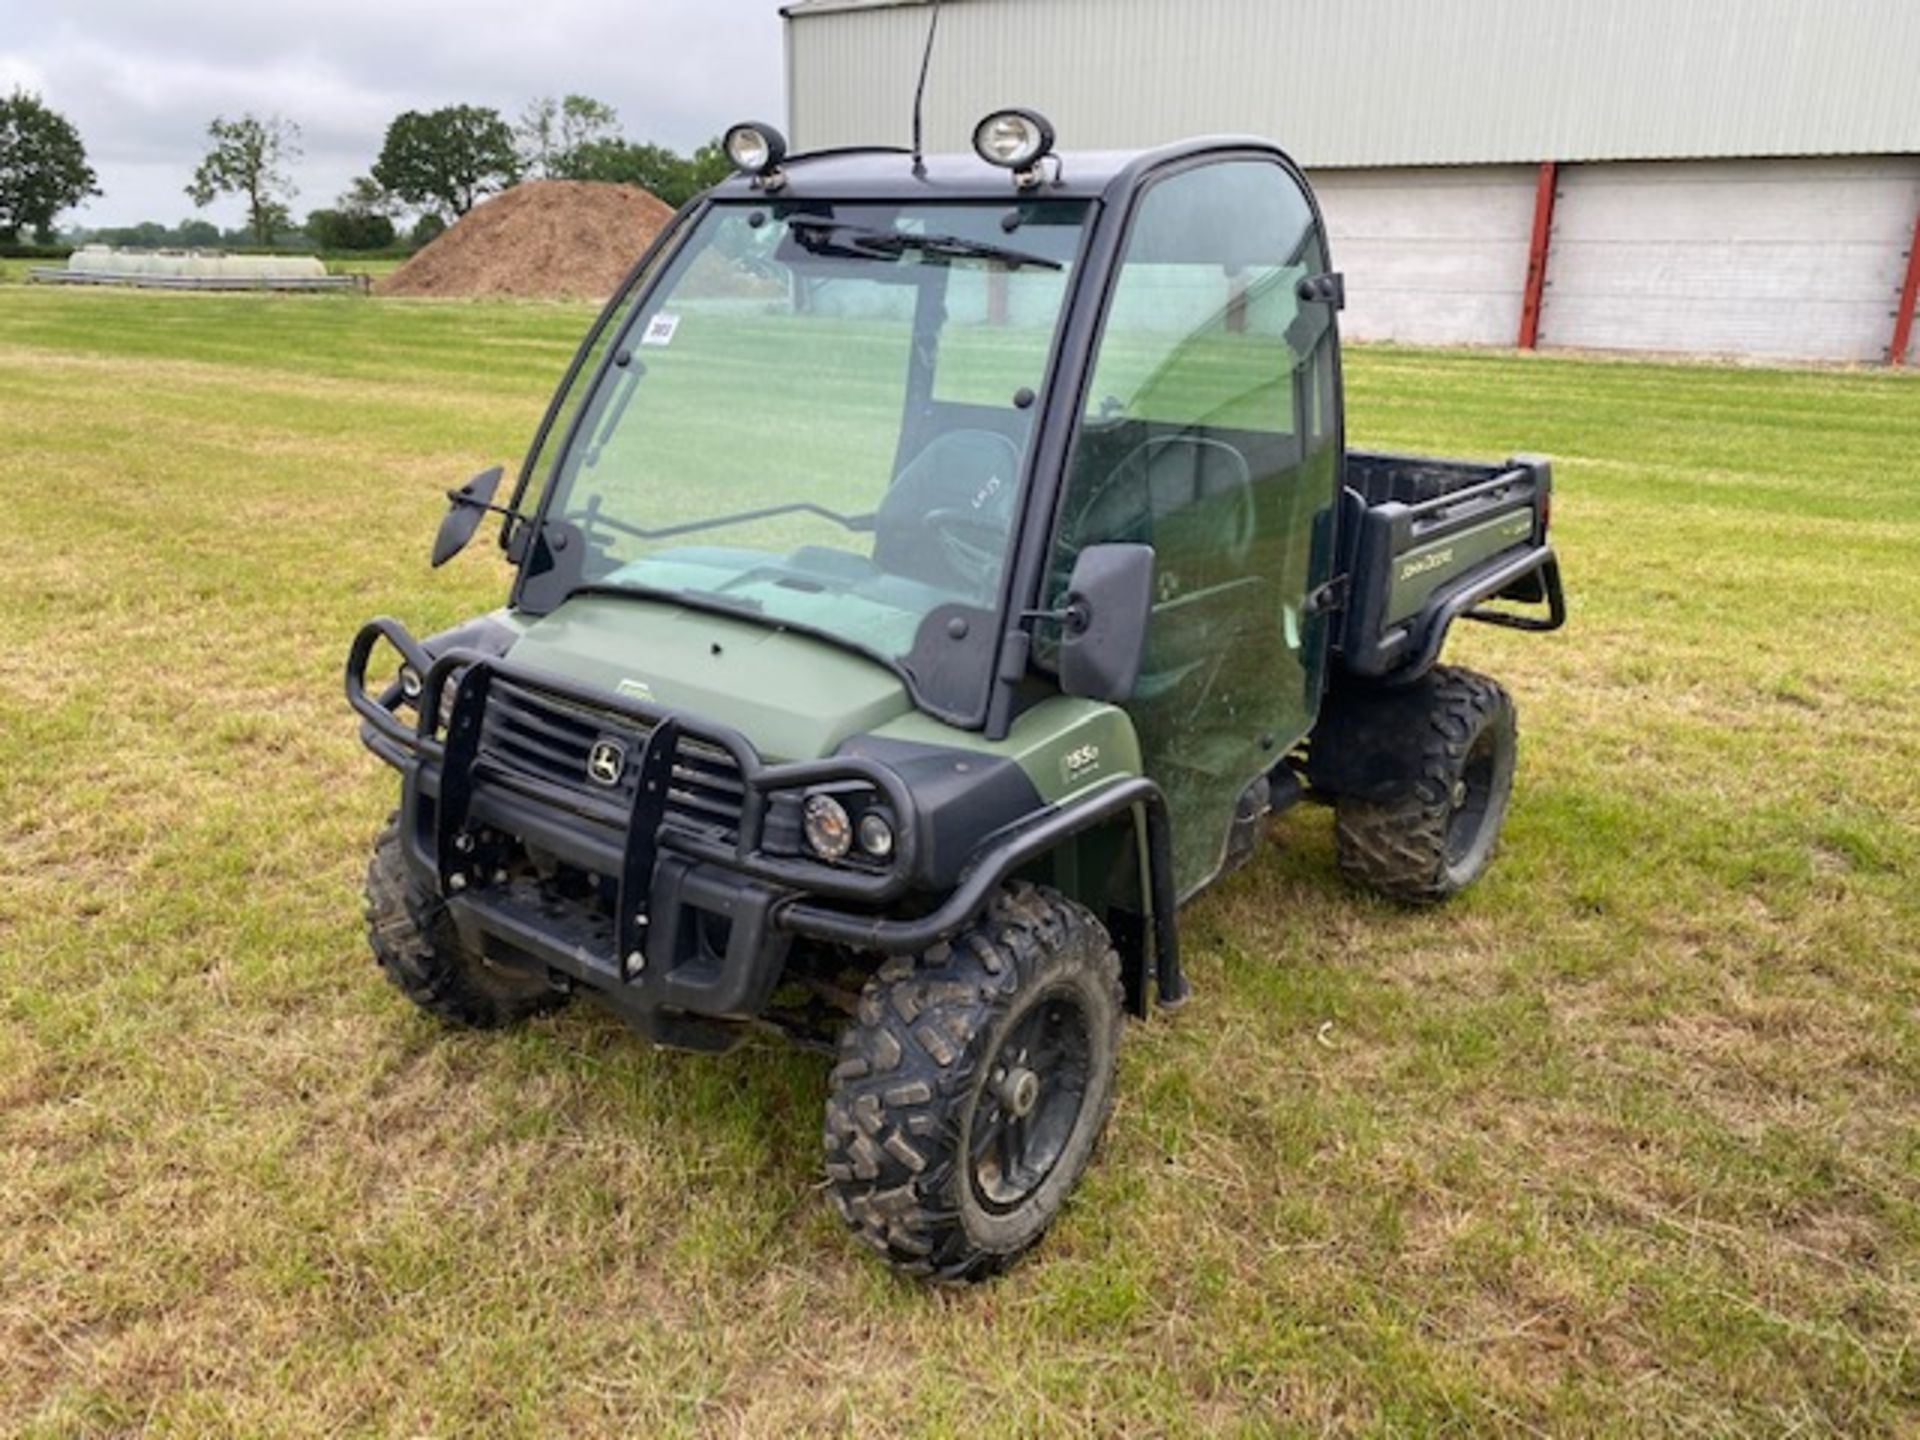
(606, 762)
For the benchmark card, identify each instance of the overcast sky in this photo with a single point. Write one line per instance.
(141, 78)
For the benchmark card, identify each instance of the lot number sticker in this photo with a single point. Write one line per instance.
(660, 330)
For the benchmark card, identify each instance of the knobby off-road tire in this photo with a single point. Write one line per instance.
(415, 942)
(974, 1086)
(1436, 839)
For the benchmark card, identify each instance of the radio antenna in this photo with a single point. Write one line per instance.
(920, 92)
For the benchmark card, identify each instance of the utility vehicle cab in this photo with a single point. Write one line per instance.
(928, 574)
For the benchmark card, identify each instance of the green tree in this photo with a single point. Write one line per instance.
(246, 160)
(673, 177)
(147, 235)
(628, 162)
(708, 167)
(537, 136)
(361, 219)
(43, 167)
(554, 133)
(366, 196)
(196, 234)
(349, 230)
(447, 160)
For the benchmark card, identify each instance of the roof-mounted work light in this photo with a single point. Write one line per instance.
(756, 149)
(1016, 140)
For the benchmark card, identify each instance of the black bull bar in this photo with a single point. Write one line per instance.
(451, 768)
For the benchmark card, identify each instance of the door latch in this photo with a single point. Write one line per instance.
(1325, 599)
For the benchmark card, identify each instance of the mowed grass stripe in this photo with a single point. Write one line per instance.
(1625, 1140)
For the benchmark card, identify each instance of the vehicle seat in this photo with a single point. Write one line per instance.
(975, 473)
(1173, 482)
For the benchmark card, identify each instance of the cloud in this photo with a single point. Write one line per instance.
(140, 81)
(17, 74)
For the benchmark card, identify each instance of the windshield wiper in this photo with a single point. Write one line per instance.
(865, 240)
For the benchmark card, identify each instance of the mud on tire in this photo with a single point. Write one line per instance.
(1437, 838)
(416, 943)
(973, 1087)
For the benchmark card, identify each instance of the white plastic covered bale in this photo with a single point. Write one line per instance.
(270, 267)
(199, 270)
(193, 264)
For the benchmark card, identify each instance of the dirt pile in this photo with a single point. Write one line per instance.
(550, 238)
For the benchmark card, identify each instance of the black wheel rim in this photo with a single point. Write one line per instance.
(1472, 794)
(1033, 1090)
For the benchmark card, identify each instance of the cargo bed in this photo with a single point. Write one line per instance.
(1425, 542)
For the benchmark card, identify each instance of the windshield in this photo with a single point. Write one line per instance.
(820, 418)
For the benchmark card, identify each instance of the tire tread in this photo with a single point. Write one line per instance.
(416, 946)
(892, 1117)
(1399, 848)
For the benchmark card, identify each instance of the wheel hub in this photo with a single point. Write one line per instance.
(1031, 1101)
(1019, 1090)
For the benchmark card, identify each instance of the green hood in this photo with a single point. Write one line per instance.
(794, 697)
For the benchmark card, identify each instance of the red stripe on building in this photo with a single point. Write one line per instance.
(1537, 254)
(1909, 292)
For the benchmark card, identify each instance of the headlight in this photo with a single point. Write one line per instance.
(755, 149)
(1013, 139)
(876, 834)
(829, 832)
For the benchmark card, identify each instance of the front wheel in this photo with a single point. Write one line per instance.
(1437, 837)
(974, 1085)
(419, 948)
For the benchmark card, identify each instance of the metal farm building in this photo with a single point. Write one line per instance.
(1712, 176)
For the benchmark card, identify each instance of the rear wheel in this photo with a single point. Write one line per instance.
(416, 943)
(1438, 837)
(974, 1086)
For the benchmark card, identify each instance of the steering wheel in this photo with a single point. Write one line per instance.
(1123, 504)
(971, 544)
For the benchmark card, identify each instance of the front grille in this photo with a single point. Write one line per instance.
(552, 741)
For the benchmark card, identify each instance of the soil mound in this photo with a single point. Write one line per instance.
(571, 239)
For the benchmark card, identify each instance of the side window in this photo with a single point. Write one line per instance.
(1212, 375)
(1200, 330)
(1210, 432)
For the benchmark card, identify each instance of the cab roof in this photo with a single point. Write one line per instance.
(887, 173)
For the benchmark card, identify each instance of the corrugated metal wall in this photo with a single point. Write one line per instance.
(1381, 82)
(1798, 259)
(1421, 122)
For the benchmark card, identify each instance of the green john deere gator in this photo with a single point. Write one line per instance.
(928, 575)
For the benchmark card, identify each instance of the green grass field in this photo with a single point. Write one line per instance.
(1627, 1139)
(14, 270)
(379, 269)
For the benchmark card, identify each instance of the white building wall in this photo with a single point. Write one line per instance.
(1431, 256)
(1793, 259)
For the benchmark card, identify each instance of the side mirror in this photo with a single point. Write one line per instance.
(466, 507)
(1109, 599)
